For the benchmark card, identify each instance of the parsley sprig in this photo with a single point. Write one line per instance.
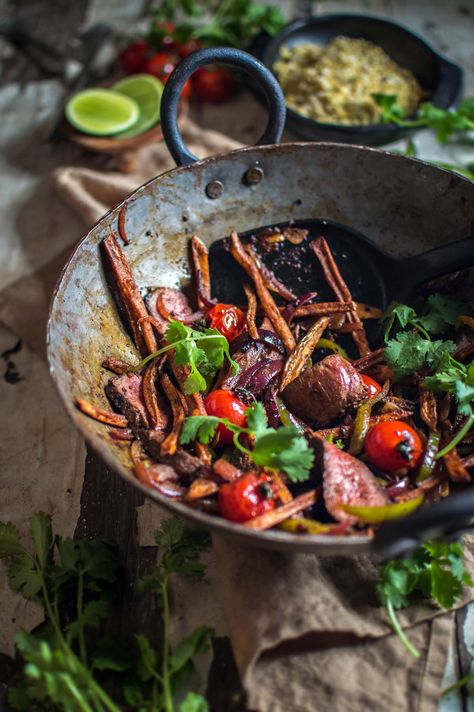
(284, 449)
(444, 122)
(74, 582)
(435, 571)
(204, 352)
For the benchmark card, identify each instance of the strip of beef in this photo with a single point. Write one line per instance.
(347, 480)
(325, 391)
(184, 463)
(125, 394)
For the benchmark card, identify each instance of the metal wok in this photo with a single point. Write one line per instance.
(403, 205)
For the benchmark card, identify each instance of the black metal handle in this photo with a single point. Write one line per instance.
(453, 256)
(450, 84)
(451, 516)
(221, 55)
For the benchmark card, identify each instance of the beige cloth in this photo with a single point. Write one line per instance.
(306, 631)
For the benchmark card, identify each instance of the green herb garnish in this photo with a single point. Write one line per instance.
(409, 352)
(203, 351)
(283, 449)
(436, 314)
(74, 582)
(434, 570)
(444, 122)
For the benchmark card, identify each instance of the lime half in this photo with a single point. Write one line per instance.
(102, 112)
(146, 91)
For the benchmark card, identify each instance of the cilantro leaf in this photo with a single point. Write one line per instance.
(400, 313)
(409, 352)
(448, 373)
(441, 312)
(284, 449)
(256, 418)
(24, 576)
(10, 543)
(194, 703)
(198, 427)
(434, 570)
(194, 644)
(464, 396)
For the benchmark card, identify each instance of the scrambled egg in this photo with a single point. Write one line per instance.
(333, 84)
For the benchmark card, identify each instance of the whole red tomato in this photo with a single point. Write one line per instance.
(134, 57)
(373, 386)
(213, 84)
(161, 65)
(246, 498)
(227, 319)
(393, 445)
(223, 404)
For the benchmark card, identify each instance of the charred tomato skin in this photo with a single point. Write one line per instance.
(223, 404)
(227, 319)
(246, 498)
(374, 388)
(393, 445)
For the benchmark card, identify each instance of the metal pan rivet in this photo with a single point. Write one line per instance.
(214, 189)
(253, 176)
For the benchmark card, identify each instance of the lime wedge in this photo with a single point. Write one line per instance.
(101, 112)
(146, 91)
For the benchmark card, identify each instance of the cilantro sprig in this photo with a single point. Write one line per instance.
(74, 582)
(458, 379)
(444, 122)
(435, 571)
(436, 314)
(409, 352)
(284, 449)
(204, 352)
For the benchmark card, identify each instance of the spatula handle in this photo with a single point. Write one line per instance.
(435, 263)
(452, 516)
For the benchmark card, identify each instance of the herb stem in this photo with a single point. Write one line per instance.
(399, 630)
(168, 347)
(457, 438)
(80, 603)
(459, 683)
(422, 330)
(167, 695)
(81, 702)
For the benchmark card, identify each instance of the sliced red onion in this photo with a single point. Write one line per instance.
(399, 487)
(289, 310)
(244, 341)
(257, 377)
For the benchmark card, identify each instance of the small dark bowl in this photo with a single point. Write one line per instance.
(441, 78)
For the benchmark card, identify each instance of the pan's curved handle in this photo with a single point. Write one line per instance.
(222, 55)
(444, 520)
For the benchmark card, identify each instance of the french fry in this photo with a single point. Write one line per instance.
(102, 416)
(297, 359)
(276, 516)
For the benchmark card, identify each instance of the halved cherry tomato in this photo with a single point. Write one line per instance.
(161, 65)
(227, 319)
(246, 498)
(213, 84)
(393, 445)
(134, 57)
(223, 404)
(373, 386)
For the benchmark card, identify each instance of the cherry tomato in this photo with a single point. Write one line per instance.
(161, 65)
(393, 445)
(134, 57)
(373, 386)
(227, 319)
(213, 84)
(223, 404)
(246, 498)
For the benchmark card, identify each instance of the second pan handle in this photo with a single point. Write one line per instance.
(221, 55)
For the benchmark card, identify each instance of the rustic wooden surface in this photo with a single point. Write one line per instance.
(107, 503)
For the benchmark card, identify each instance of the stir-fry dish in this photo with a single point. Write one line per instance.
(279, 412)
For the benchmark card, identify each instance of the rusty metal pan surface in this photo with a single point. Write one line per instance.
(404, 205)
